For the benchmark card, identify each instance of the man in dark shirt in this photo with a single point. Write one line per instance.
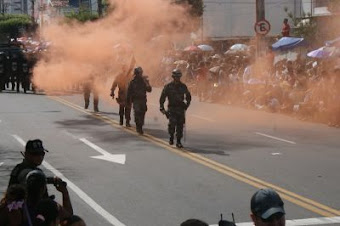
(33, 157)
(267, 208)
(175, 92)
(136, 95)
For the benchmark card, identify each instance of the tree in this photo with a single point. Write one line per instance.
(81, 16)
(196, 6)
(12, 24)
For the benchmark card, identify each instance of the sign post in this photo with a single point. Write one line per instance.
(260, 16)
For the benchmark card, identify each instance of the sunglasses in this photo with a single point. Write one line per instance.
(276, 216)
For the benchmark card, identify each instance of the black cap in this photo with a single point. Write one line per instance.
(265, 203)
(34, 147)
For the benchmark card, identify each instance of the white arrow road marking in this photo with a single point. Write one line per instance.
(120, 158)
(1, 163)
(276, 153)
(275, 138)
(300, 222)
(100, 210)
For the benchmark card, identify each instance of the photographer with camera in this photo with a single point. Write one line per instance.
(36, 186)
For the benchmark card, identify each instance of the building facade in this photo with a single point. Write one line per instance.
(224, 19)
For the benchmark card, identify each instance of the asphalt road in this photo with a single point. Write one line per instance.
(229, 153)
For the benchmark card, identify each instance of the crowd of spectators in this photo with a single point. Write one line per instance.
(307, 88)
(27, 201)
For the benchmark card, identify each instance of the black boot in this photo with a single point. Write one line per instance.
(139, 130)
(179, 144)
(96, 109)
(127, 123)
(171, 140)
(121, 120)
(86, 105)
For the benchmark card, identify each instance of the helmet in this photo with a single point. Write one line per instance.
(176, 73)
(138, 71)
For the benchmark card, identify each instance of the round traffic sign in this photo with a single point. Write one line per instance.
(262, 27)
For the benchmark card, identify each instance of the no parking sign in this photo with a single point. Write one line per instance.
(262, 27)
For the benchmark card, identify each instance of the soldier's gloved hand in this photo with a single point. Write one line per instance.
(162, 110)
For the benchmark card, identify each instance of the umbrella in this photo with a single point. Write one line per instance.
(206, 48)
(180, 62)
(239, 47)
(192, 48)
(320, 53)
(335, 42)
(216, 56)
(287, 43)
(255, 81)
(335, 52)
(215, 69)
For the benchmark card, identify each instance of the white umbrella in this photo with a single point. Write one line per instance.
(320, 53)
(215, 69)
(206, 47)
(239, 47)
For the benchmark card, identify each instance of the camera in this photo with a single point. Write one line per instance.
(225, 222)
(56, 181)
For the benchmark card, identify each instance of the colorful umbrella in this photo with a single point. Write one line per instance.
(320, 53)
(192, 48)
(287, 43)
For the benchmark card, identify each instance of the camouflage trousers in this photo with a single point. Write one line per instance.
(125, 110)
(139, 109)
(176, 123)
(87, 92)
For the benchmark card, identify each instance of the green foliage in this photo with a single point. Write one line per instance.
(11, 24)
(197, 6)
(81, 16)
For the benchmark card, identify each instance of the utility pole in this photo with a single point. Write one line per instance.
(42, 10)
(260, 15)
(100, 8)
(32, 12)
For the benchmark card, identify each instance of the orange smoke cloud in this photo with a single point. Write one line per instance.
(79, 51)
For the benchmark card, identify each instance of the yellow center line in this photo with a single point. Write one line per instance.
(292, 197)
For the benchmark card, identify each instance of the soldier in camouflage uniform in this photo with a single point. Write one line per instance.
(89, 87)
(175, 92)
(121, 81)
(136, 95)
